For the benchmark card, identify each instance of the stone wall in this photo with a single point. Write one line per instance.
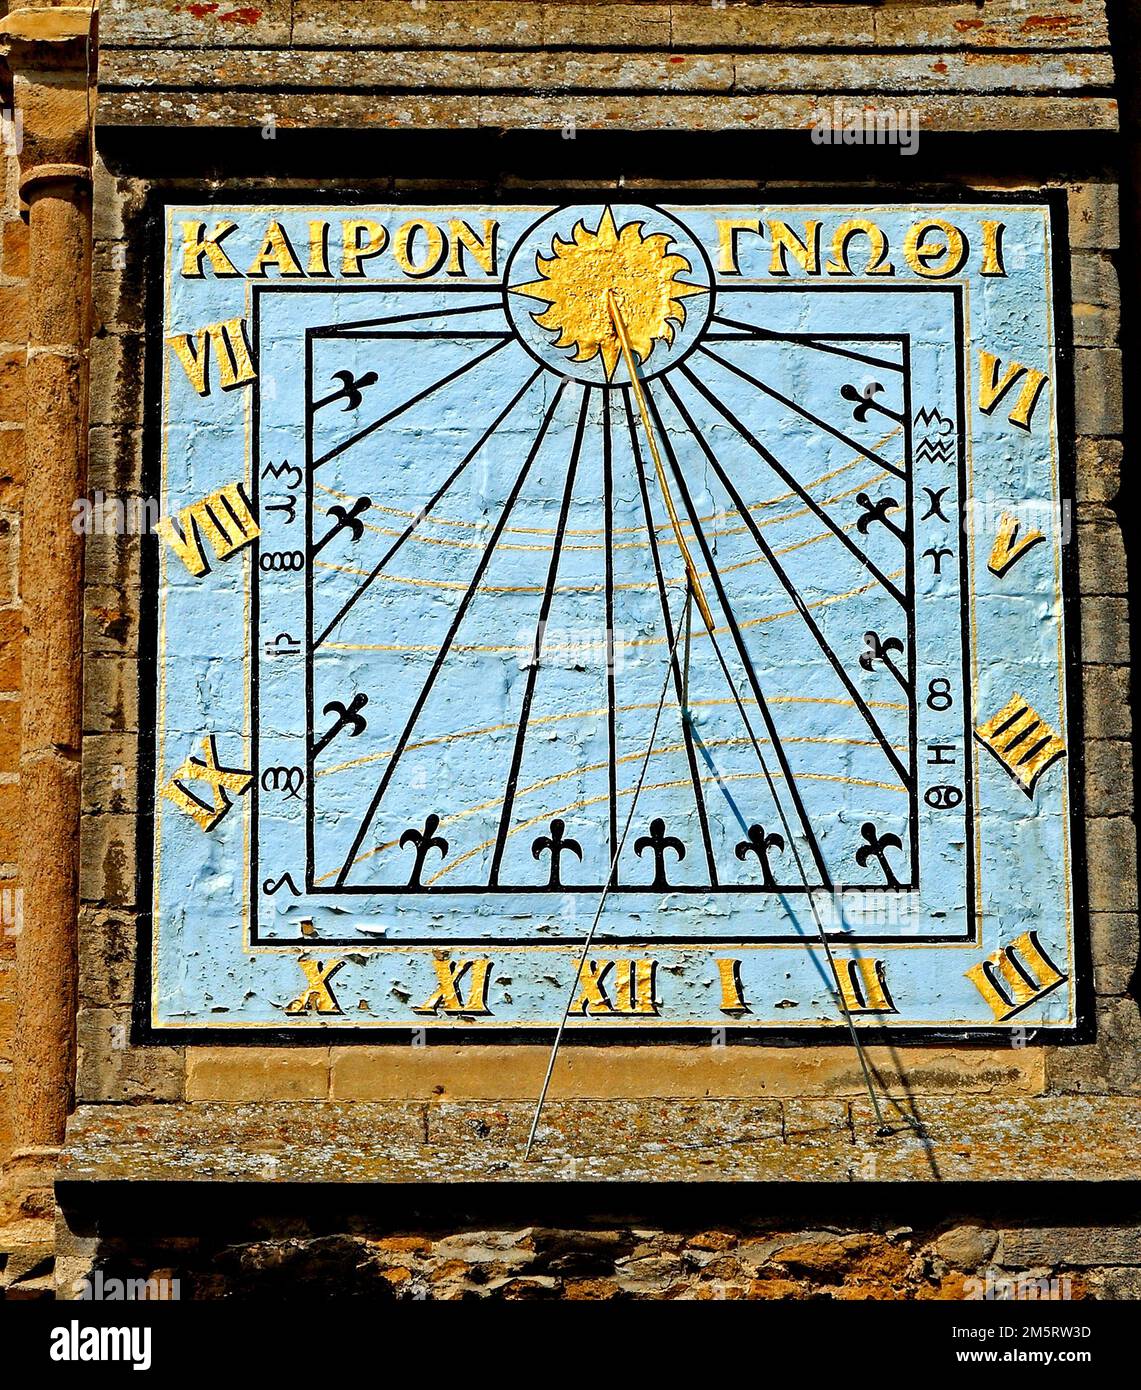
(906, 1250)
(13, 272)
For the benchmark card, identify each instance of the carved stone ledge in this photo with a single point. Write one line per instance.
(1075, 1138)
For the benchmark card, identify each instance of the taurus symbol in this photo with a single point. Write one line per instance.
(877, 511)
(424, 840)
(867, 402)
(659, 842)
(350, 391)
(555, 845)
(345, 715)
(759, 844)
(876, 848)
(346, 520)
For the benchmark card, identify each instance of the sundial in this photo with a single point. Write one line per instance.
(648, 615)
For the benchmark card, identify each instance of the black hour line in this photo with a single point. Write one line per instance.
(424, 512)
(806, 339)
(800, 410)
(537, 650)
(679, 686)
(407, 405)
(785, 582)
(445, 646)
(790, 481)
(742, 650)
(425, 334)
(343, 330)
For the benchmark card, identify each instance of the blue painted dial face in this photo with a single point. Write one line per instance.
(687, 579)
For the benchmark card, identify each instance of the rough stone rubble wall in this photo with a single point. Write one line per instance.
(902, 1255)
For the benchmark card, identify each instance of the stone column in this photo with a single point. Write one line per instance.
(51, 52)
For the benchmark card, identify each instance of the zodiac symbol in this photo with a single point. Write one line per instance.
(278, 560)
(935, 499)
(937, 552)
(269, 887)
(289, 505)
(278, 470)
(284, 644)
(287, 779)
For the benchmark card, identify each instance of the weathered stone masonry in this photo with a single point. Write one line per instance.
(674, 98)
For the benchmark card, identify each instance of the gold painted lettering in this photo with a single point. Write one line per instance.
(842, 239)
(196, 245)
(993, 263)
(464, 238)
(863, 985)
(404, 242)
(732, 993)
(992, 388)
(224, 519)
(1015, 976)
(1022, 742)
(317, 996)
(728, 230)
(355, 250)
(806, 253)
(633, 984)
(935, 258)
(276, 250)
(226, 343)
(221, 781)
(447, 996)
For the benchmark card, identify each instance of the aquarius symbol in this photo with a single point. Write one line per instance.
(866, 399)
(877, 511)
(350, 391)
(659, 842)
(555, 845)
(424, 840)
(759, 844)
(345, 715)
(346, 520)
(876, 848)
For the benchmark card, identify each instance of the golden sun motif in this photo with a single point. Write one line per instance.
(638, 270)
